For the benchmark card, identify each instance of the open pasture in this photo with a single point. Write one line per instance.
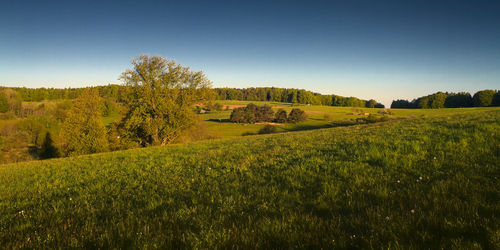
(219, 126)
(420, 183)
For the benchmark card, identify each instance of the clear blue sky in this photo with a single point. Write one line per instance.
(368, 49)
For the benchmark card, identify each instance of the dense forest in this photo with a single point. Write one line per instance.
(483, 98)
(292, 96)
(118, 93)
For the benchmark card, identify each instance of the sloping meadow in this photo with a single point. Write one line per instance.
(409, 183)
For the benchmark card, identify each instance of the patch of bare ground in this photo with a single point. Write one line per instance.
(230, 106)
(269, 123)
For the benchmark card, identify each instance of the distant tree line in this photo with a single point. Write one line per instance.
(253, 113)
(119, 94)
(113, 91)
(483, 98)
(298, 96)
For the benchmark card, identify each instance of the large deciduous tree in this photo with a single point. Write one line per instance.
(161, 100)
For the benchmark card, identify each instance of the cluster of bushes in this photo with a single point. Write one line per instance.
(483, 98)
(253, 113)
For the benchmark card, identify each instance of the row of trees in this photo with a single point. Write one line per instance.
(292, 96)
(9, 100)
(112, 91)
(120, 94)
(253, 113)
(483, 98)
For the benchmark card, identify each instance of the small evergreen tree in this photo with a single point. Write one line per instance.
(48, 150)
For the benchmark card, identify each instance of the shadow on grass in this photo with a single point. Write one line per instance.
(300, 127)
(220, 120)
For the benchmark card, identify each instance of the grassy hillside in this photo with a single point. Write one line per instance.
(430, 182)
(318, 117)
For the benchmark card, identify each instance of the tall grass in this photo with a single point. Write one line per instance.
(412, 183)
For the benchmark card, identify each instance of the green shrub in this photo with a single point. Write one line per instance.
(280, 116)
(297, 115)
(376, 118)
(268, 129)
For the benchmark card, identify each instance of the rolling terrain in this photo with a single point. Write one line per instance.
(426, 181)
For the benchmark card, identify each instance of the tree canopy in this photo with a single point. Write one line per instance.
(83, 131)
(483, 98)
(162, 93)
(297, 115)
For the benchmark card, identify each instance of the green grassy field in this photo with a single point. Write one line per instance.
(431, 181)
(318, 117)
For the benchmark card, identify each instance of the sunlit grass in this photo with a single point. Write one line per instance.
(409, 183)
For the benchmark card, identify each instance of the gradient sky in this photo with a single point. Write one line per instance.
(369, 49)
